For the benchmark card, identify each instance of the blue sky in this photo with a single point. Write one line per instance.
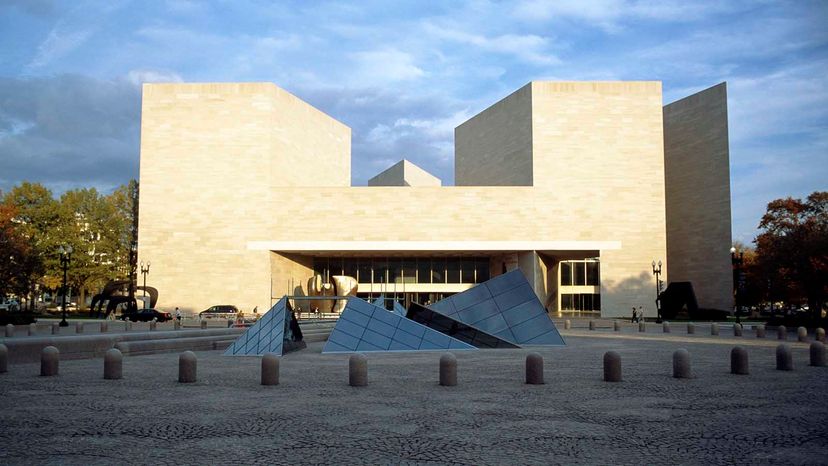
(402, 75)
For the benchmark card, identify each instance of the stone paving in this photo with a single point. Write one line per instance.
(404, 417)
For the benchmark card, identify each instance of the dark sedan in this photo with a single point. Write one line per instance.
(147, 315)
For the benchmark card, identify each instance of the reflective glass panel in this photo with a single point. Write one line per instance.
(566, 274)
(438, 270)
(580, 273)
(423, 270)
(349, 267)
(453, 271)
(364, 271)
(593, 273)
(481, 269)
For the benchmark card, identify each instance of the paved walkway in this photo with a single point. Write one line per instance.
(404, 417)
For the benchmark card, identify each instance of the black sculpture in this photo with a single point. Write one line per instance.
(679, 297)
(118, 292)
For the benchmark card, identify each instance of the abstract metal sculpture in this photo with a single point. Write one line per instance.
(343, 286)
(339, 285)
(117, 292)
(318, 286)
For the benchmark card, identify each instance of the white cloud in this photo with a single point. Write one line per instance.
(138, 77)
(529, 48)
(56, 45)
(375, 67)
(608, 14)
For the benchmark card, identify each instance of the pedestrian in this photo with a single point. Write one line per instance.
(178, 314)
(640, 313)
(634, 317)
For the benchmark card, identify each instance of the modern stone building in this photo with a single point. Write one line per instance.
(245, 195)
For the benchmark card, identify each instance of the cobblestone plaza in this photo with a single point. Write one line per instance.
(404, 417)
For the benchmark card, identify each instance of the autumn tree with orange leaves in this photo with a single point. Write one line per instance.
(792, 249)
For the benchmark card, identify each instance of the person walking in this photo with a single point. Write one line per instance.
(178, 314)
(634, 316)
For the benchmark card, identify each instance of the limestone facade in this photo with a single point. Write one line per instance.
(242, 185)
(697, 174)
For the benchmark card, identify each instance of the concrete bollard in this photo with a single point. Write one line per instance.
(203, 324)
(9, 330)
(79, 327)
(642, 327)
(781, 333)
(737, 330)
(739, 361)
(616, 326)
(612, 367)
(270, 369)
(802, 334)
(4, 358)
(358, 370)
(567, 324)
(113, 364)
(534, 369)
(153, 325)
(714, 328)
(820, 334)
(448, 370)
(784, 358)
(681, 364)
(691, 328)
(760, 331)
(187, 365)
(817, 355)
(592, 325)
(55, 328)
(104, 327)
(32, 329)
(49, 361)
(665, 327)
(176, 325)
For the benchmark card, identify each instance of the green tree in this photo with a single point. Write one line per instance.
(36, 219)
(17, 261)
(124, 200)
(793, 249)
(88, 224)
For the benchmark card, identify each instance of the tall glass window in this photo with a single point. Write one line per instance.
(364, 271)
(394, 270)
(423, 270)
(453, 270)
(580, 273)
(380, 271)
(466, 270)
(593, 273)
(349, 267)
(566, 274)
(438, 270)
(409, 270)
(481, 266)
(583, 302)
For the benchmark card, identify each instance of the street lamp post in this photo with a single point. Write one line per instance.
(736, 261)
(145, 272)
(65, 258)
(657, 273)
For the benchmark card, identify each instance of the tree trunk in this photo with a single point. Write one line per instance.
(82, 300)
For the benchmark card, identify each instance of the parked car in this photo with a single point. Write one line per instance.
(146, 315)
(222, 311)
